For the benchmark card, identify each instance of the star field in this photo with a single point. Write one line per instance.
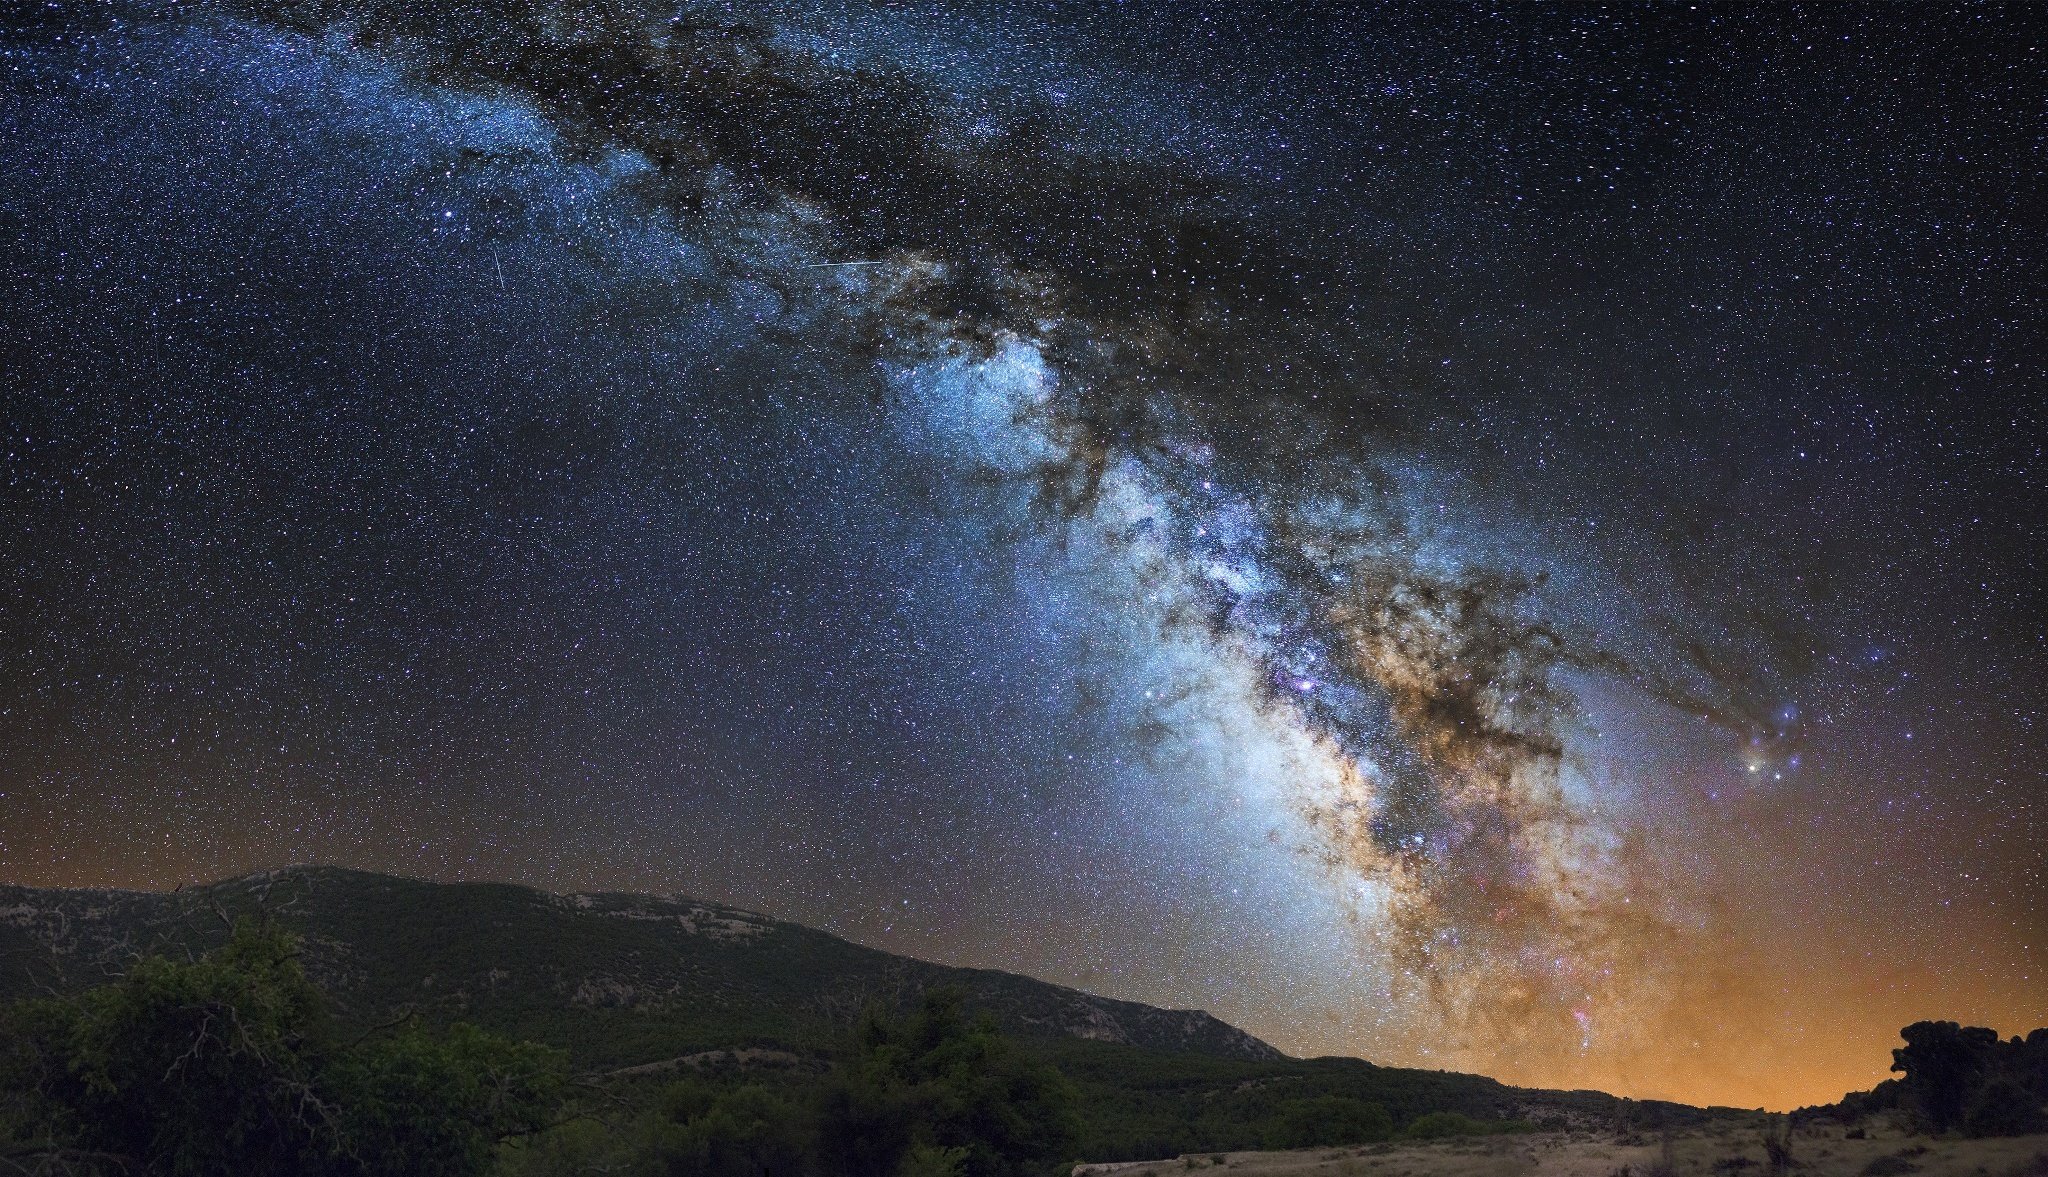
(1497, 538)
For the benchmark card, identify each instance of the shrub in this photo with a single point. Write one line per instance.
(1328, 1120)
(1437, 1125)
(947, 1084)
(231, 1064)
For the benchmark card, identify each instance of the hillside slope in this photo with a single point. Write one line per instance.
(619, 979)
(634, 987)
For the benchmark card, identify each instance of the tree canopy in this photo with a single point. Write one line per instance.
(232, 1063)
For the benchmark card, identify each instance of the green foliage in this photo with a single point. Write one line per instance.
(579, 1145)
(207, 1067)
(1328, 1120)
(929, 1160)
(1440, 1124)
(912, 1088)
(1138, 1105)
(1437, 1125)
(676, 978)
(938, 1083)
(932, 1095)
(749, 1131)
(230, 1064)
(437, 1105)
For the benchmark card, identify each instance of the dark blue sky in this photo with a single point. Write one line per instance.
(1449, 534)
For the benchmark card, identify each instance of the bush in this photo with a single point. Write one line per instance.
(231, 1064)
(926, 1160)
(1328, 1120)
(1437, 1125)
(749, 1130)
(940, 1082)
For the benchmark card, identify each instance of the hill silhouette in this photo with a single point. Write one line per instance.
(621, 979)
(637, 988)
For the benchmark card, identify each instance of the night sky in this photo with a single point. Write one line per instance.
(1496, 538)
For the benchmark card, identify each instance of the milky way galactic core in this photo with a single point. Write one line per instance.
(1502, 539)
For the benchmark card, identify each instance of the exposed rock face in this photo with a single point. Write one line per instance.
(619, 978)
(719, 923)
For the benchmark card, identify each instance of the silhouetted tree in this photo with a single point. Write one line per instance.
(938, 1090)
(230, 1064)
(745, 1132)
(1437, 1125)
(1328, 1120)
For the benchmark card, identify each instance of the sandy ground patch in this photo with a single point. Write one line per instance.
(1726, 1150)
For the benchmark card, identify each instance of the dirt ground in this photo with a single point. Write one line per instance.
(1723, 1150)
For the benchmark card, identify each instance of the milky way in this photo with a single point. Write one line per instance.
(1435, 534)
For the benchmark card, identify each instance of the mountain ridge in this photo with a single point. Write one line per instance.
(685, 973)
(638, 989)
